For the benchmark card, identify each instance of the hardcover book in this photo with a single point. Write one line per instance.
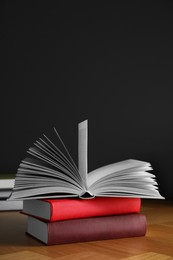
(6, 183)
(50, 172)
(6, 186)
(9, 205)
(87, 229)
(63, 209)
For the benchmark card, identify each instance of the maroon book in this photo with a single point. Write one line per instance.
(87, 229)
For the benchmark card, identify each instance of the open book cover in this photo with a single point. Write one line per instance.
(49, 172)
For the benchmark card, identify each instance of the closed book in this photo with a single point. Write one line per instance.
(64, 209)
(6, 186)
(5, 193)
(87, 229)
(6, 205)
(6, 183)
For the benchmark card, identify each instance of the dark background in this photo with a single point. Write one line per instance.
(110, 62)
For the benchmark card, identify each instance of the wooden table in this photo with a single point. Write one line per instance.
(157, 244)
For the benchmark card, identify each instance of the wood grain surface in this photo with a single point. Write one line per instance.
(157, 244)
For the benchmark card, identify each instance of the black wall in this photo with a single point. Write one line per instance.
(110, 62)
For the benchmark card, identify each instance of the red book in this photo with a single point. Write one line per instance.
(87, 229)
(64, 209)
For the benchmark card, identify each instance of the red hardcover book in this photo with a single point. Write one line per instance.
(64, 209)
(87, 229)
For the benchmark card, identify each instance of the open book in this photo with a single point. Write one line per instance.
(51, 173)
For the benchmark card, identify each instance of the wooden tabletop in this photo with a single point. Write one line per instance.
(157, 244)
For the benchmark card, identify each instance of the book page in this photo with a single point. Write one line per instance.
(83, 150)
(128, 178)
(116, 167)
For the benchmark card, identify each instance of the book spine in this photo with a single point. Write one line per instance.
(76, 208)
(99, 228)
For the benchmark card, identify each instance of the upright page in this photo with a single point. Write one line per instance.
(83, 150)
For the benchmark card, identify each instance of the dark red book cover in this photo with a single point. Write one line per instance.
(87, 229)
(64, 209)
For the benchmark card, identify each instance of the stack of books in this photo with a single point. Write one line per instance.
(67, 204)
(60, 221)
(6, 187)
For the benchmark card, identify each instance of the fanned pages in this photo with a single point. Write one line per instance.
(49, 172)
